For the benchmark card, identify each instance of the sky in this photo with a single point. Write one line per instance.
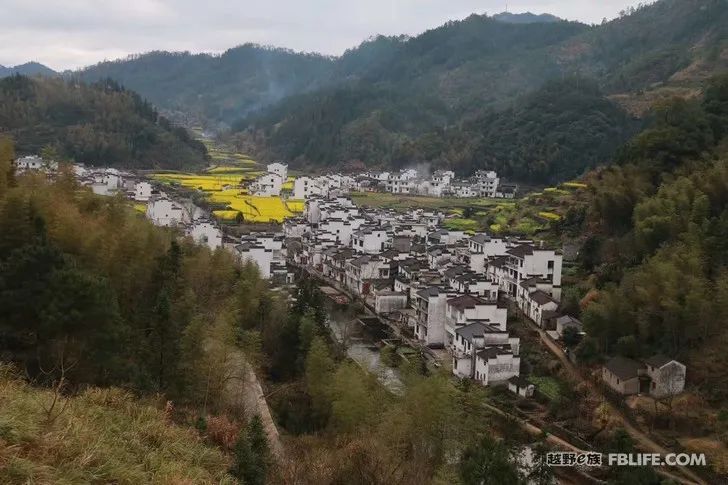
(68, 34)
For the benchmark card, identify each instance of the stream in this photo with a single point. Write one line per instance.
(361, 346)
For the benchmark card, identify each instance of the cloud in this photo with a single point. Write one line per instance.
(73, 33)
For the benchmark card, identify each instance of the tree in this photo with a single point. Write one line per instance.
(354, 403)
(488, 462)
(571, 337)
(319, 373)
(7, 153)
(251, 454)
(540, 473)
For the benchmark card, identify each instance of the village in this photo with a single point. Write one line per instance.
(445, 291)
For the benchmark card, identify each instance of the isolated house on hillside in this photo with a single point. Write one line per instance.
(623, 375)
(667, 376)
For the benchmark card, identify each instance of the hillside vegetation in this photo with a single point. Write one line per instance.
(98, 436)
(222, 88)
(99, 124)
(656, 227)
(395, 100)
(484, 70)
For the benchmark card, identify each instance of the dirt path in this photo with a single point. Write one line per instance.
(243, 386)
(643, 441)
(255, 403)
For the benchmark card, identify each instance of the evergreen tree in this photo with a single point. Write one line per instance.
(252, 454)
(489, 462)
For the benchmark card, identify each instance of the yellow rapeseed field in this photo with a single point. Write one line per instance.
(223, 185)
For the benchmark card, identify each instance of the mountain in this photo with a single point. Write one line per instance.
(525, 18)
(222, 88)
(376, 99)
(28, 69)
(99, 124)
(552, 134)
(471, 69)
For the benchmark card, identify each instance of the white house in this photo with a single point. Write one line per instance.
(486, 183)
(470, 339)
(142, 191)
(205, 232)
(527, 261)
(521, 386)
(539, 305)
(305, 187)
(165, 212)
(370, 240)
(258, 255)
(267, 185)
(362, 270)
(430, 306)
(466, 309)
(496, 364)
(280, 169)
(667, 376)
(30, 162)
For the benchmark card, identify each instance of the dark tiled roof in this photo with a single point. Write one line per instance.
(494, 351)
(519, 382)
(521, 251)
(476, 330)
(568, 319)
(658, 360)
(429, 291)
(542, 298)
(480, 238)
(623, 368)
(454, 271)
(465, 301)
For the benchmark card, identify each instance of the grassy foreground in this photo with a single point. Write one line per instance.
(100, 436)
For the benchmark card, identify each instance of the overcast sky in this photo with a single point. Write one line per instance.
(66, 34)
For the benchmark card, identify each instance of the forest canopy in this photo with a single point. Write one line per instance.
(98, 124)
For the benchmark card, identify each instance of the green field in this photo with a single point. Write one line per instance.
(548, 386)
(527, 216)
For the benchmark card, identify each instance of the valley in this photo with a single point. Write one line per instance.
(491, 251)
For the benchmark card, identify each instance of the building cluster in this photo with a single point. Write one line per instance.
(441, 183)
(270, 184)
(450, 290)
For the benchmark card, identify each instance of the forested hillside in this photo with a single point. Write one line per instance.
(657, 226)
(99, 124)
(485, 69)
(372, 103)
(221, 88)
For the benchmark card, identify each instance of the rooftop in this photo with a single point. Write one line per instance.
(623, 368)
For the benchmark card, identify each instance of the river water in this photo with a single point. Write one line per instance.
(361, 344)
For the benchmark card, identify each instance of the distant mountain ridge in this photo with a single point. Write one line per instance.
(525, 18)
(28, 69)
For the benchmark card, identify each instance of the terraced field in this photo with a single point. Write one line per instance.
(526, 216)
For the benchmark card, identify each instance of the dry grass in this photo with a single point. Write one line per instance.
(101, 436)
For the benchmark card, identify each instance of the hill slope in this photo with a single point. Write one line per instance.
(222, 88)
(101, 436)
(100, 124)
(479, 64)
